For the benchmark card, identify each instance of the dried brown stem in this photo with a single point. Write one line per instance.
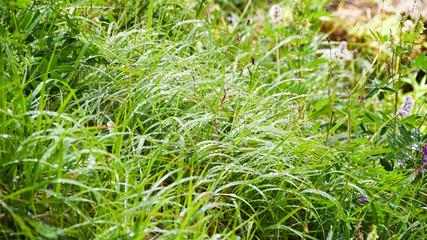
(216, 126)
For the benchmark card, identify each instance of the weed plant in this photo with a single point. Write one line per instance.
(188, 119)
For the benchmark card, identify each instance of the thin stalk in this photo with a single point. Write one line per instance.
(2, 103)
(299, 59)
(425, 115)
(329, 93)
(277, 55)
(349, 120)
(396, 93)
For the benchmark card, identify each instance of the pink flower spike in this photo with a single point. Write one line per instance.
(407, 26)
(414, 5)
(425, 156)
(275, 14)
(407, 106)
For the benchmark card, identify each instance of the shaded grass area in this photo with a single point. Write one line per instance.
(152, 120)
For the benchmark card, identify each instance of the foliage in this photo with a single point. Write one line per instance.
(193, 119)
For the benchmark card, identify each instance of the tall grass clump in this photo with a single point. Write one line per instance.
(204, 120)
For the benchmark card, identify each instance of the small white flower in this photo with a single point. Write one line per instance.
(340, 54)
(414, 5)
(275, 14)
(407, 26)
(343, 46)
(407, 106)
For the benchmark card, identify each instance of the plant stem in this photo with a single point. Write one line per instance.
(277, 55)
(349, 120)
(329, 93)
(425, 115)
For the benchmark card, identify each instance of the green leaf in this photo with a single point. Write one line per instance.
(363, 127)
(372, 116)
(405, 134)
(72, 25)
(65, 68)
(299, 88)
(56, 75)
(381, 96)
(420, 60)
(387, 166)
(79, 58)
(388, 89)
(43, 66)
(372, 92)
(326, 109)
(325, 195)
(373, 35)
(50, 232)
(416, 134)
(400, 192)
(384, 129)
(32, 26)
(317, 62)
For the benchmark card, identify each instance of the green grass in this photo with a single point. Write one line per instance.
(167, 120)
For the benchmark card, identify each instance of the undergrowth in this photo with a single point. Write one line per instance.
(173, 119)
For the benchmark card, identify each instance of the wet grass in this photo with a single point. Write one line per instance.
(170, 120)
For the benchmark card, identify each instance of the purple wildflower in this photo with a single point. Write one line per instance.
(407, 106)
(422, 170)
(362, 199)
(425, 156)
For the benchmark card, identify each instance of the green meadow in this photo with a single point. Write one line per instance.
(210, 119)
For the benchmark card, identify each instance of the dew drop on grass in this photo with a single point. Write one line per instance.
(216, 236)
(91, 161)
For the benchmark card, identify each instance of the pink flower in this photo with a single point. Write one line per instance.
(414, 5)
(425, 156)
(407, 26)
(276, 14)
